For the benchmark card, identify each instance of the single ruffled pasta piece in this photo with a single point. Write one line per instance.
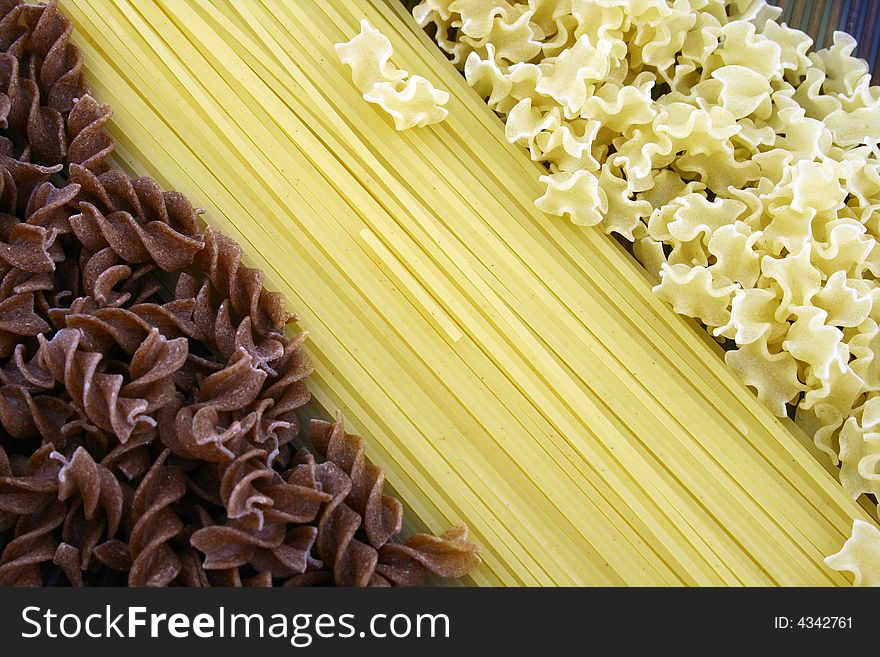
(368, 55)
(693, 292)
(416, 105)
(772, 375)
(576, 194)
(410, 101)
(859, 441)
(860, 555)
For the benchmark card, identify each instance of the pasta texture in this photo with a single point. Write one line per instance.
(150, 416)
(742, 168)
(517, 374)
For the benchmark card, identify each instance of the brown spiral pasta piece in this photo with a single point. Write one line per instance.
(254, 494)
(24, 415)
(292, 557)
(28, 505)
(191, 571)
(17, 316)
(101, 273)
(273, 422)
(48, 85)
(33, 545)
(271, 431)
(113, 191)
(82, 533)
(42, 127)
(26, 247)
(197, 434)
(447, 555)
(8, 516)
(260, 504)
(96, 487)
(132, 458)
(12, 39)
(282, 359)
(18, 320)
(20, 179)
(142, 286)
(27, 488)
(113, 554)
(97, 396)
(207, 423)
(240, 488)
(8, 78)
(11, 32)
(89, 146)
(351, 561)
(284, 393)
(154, 242)
(8, 193)
(126, 328)
(48, 206)
(154, 562)
(229, 546)
(24, 372)
(107, 281)
(220, 332)
(190, 314)
(221, 262)
(152, 369)
(68, 558)
(16, 281)
(272, 550)
(382, 515)
(56, 63)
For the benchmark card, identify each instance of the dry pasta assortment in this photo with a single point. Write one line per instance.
(162, 419)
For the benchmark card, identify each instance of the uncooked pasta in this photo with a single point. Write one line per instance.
(150, 415)
(507, 370)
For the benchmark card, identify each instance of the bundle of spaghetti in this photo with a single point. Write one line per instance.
(140, 404)
(514, 374)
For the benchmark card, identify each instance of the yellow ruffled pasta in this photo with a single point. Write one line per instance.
(412, 101)
(860, 555)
